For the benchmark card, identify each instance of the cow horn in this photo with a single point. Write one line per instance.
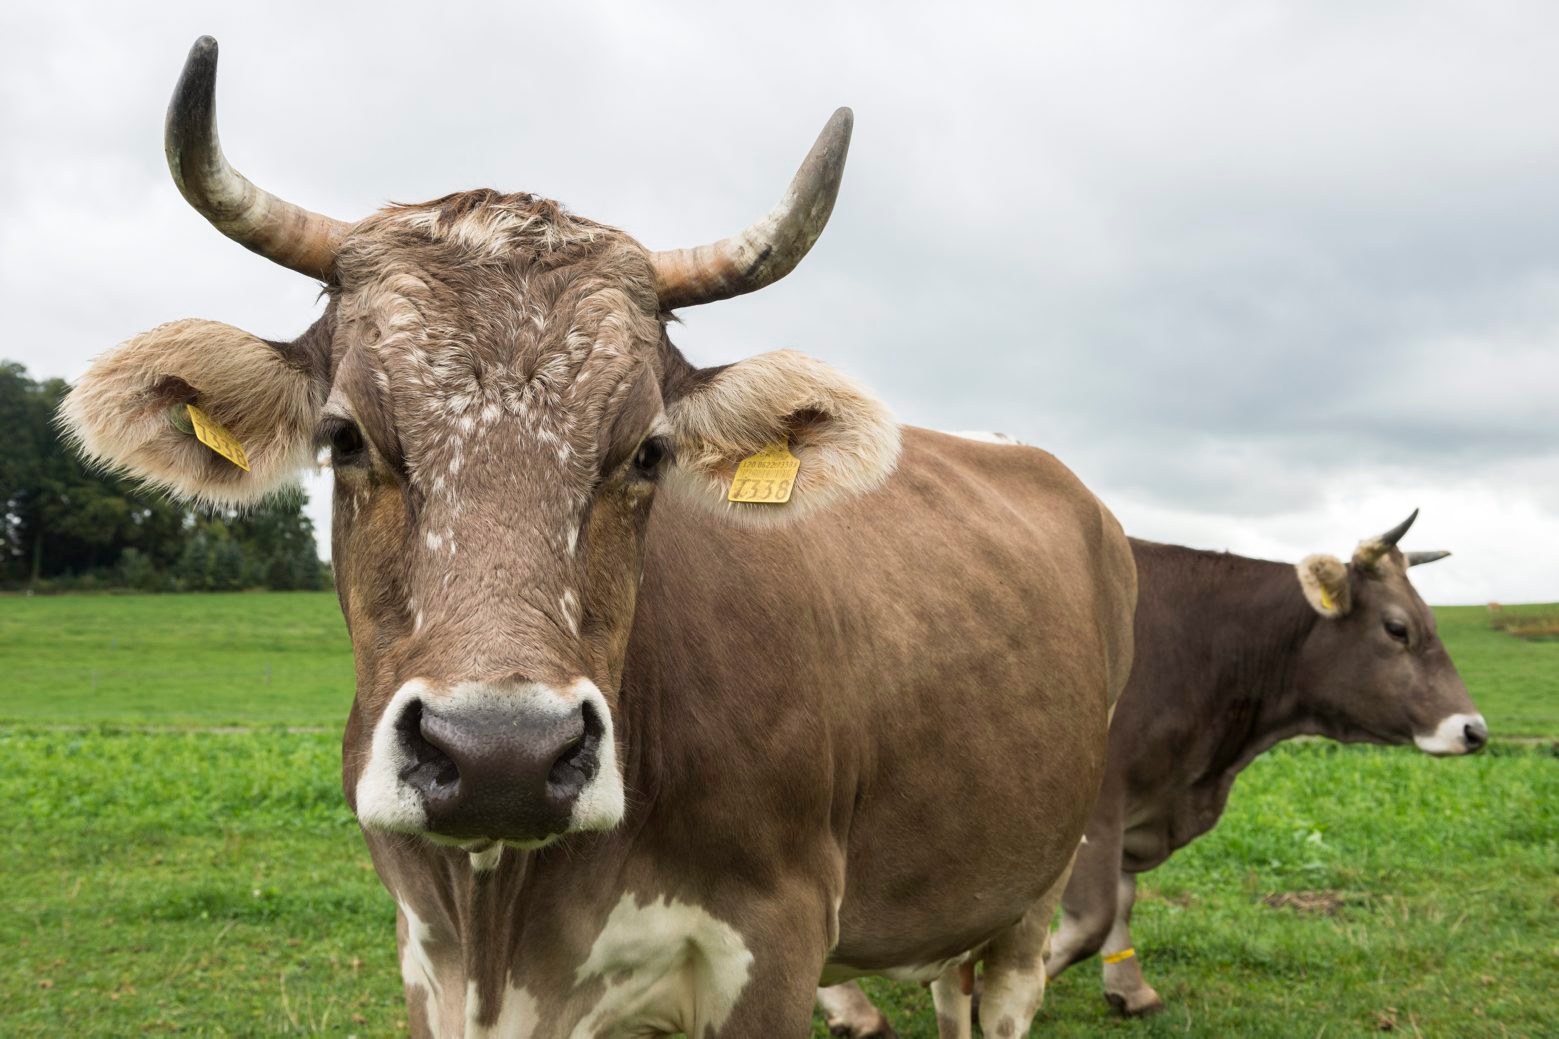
(769, 249)
(255, 219)
(1420, 558)
(1392, 536)
(1372, 550)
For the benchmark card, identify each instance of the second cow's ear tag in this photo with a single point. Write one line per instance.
(215, 436)
(767, 477)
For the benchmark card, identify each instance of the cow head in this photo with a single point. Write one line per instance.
(499, 401)
(1376, 669)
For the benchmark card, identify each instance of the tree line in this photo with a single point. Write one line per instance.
(65, 526)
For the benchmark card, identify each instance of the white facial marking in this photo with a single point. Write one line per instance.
(435, 541)
(569, 604)
(486, 860)
(1450, 736)
(385, 802)
(602, 802)
(669, 966)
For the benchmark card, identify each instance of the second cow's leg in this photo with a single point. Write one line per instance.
(1124, 985)
(1088, 904)
(851, 1015)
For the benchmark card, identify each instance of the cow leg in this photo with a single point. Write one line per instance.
(772, 1006)
(851, 1015)
(789, 943)
(1124, 985)
(1012, 985)
(952, 992)
(1088, 905)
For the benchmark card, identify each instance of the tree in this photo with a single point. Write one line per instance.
(61, 519)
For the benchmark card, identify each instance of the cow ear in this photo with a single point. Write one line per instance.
(1325, 583)
(845, 439)
(127, 413)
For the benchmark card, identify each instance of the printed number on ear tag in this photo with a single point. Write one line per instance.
(767, 477)
(215, 436)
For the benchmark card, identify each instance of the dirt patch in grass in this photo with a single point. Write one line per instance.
(1325, 903)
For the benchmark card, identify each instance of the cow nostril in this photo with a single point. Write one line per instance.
(1476, 734)
(431, 770)
(578, 759)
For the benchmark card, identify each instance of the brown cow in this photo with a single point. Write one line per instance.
(1234, 655)
(634, 770)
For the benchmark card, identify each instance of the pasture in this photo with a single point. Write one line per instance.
(180, 858)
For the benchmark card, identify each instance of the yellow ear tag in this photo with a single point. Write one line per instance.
(766, 477)
(215, 436)
(1326, 600)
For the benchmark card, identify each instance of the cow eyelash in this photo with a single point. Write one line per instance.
(1397, 630)
(344, 441)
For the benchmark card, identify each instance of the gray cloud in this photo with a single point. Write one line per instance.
(1266, 275)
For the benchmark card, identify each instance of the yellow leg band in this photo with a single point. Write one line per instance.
(1124, 954)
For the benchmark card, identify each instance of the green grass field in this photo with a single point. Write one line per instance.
(213, 882)
(265, 658)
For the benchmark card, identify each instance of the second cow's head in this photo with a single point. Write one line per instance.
(500, 403)
(1377, 671)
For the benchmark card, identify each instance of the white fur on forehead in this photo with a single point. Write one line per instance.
(845, 438)
(118, 414)
(1324, 580)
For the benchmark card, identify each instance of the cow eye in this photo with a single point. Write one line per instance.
(1397, 630)
(344, 440)
(650, 456)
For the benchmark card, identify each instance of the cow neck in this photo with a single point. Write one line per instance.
(1259, 621)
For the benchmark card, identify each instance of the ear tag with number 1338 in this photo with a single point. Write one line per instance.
(767, 477)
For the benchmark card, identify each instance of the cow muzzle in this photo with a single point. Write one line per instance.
(523, 765)
(1457, 734)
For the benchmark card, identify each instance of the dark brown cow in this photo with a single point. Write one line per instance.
(1234, 655)
(631, 770)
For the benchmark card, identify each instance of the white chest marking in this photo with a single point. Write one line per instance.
(668, 966)
(417, 965)
(518, 1016)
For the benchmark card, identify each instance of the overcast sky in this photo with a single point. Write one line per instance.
(1266, 275)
